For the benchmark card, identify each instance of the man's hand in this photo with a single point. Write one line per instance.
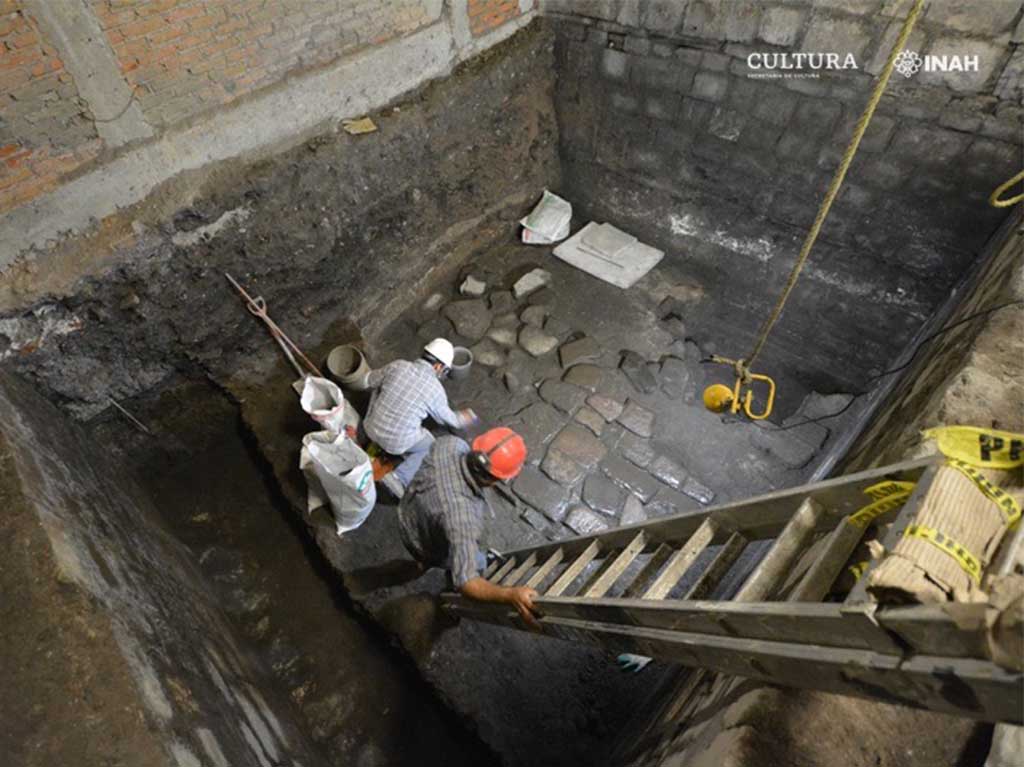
(522, 598)
(468, 417)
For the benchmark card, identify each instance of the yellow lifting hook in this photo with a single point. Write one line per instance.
(718, 397)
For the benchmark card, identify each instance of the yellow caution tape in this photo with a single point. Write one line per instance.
(984, 448)
(1006, 502)
(888, 487)
(967, 561)
(858, 569)
(864, 516)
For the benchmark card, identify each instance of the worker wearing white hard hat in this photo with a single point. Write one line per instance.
(405, 395)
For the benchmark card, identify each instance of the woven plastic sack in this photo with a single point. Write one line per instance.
(338, 472)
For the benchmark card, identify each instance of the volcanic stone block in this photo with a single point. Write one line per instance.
(585, 376)
(675, 377)
(473, 287)
(625, 474)
(488, 353)
(561, 467)
(530, 282)
(676, 327)
(632, 512)
(697, 491)
(543, 494)
(471, 318)
(515, 383)
(506, 320)
(542, 297)
(591, 419)
(608, 408)
(780, 26)
(534, 315)
(576, 351)
(540, 422)
(536, 341)
(580, 445)
(668, 471)
(436, 327)
(636, 450)
(793, 447)
(668, 502)
(601, 494)
(535, 519)
(501, 301)
(564, 396)
(556, 326)
(635, 368)
(637, 419)
(503, 336)
(585, 522)
(710, 86)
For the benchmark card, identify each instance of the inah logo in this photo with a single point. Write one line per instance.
(907, 63)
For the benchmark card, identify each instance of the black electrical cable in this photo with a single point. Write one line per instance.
(925, 340)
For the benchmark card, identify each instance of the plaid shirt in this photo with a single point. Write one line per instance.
(409, 392)
(441, 516)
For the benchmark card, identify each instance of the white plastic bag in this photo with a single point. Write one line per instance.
(326, 405)
(548, 222)
(338, 472)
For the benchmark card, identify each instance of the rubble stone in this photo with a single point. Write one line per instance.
(635, 368)
(436, 327)
(608, 408)
(488, 353)
(536, 341)
(506, 320)
(636, 481)
(514, 382)
(433, 303)
(501, 301)
(601, 494)
(471, 318)
(668, 471)
(585, 522)
(556, 326)
(637, 419)
(504, 336)
(536, 520)
(576, 351)
(636, 450)
(585, 376)
(676, 327)
(564, 396)
(530, 282)
(540, 492)
(632, 512)
(591, 419)
(675, 377)
(534, 316)
(580, 445)
(697, 491)
(539, 423)
(542, 297)
(472, 287)
(561, 467)
(669, 501)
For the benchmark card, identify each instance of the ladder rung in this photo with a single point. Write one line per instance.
(615, 570)
(654, 563)
(573, 570)
(719, 566)
(772, 570)
(542, 572)
(503, 570)
(492, 568)
(822, 573)
(679, 562)
(516, 575)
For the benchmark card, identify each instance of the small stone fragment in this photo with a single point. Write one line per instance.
(576, 351)
(471, 318)
(585, 376)
(697, 491)
(432, 303)
(585, 522)
(668, 471)
(637, 419)
(607, 407)
(675, 377)
(636, 481)
(633, 512)
(535, 519)
(534, 315)
(580, 445)
(531, 281)
(514, 383)
(636, 370)
(676, 327)
(557, 327)
(501, 301)
(591, 419)
(536, 341)
(472, 287)
(503, 336)
(561, 467)
(488, 353)
(601, 494)
(564, 396)
(636, 450)
(540, 492)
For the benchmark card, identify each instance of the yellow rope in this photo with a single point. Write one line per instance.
(837, 182)
(994, 200)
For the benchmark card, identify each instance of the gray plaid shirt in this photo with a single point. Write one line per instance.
(441, 516)
(409, 392)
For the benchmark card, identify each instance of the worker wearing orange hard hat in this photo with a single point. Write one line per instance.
(441, 516)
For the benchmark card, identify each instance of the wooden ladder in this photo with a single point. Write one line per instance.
(647, 589)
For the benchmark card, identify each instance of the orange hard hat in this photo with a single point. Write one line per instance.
(503, 452)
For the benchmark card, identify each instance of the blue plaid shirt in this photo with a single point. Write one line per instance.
(409, 392)
(441, 515)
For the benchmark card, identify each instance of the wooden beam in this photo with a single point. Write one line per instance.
(783, 554)
(615, 570)
(513, 577)
(724, 559)
(544, 570)
(504, 570)
(654, 563)
(572, 572)
(679, 562)
(818, 579)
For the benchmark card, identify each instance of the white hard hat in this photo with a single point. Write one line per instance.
(442, 350)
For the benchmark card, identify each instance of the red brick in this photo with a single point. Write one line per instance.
(188, 12)
(7, 150)
(143, 27)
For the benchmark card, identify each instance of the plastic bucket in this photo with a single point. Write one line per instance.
(347, 365)
(461, 362)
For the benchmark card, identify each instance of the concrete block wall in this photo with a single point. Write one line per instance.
(667, 130)
(83, 82)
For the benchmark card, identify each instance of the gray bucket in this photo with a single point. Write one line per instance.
(347, 365)
(462, 361)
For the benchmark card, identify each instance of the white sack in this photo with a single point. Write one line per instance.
(326, 405)
(548, 222)
(338, 472)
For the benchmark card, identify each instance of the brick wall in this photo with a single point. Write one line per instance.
(486, 15)
(666, 130)
(45, 128)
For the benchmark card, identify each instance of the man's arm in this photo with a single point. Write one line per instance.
(519, 597)
(440, 411)
(375, 378)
